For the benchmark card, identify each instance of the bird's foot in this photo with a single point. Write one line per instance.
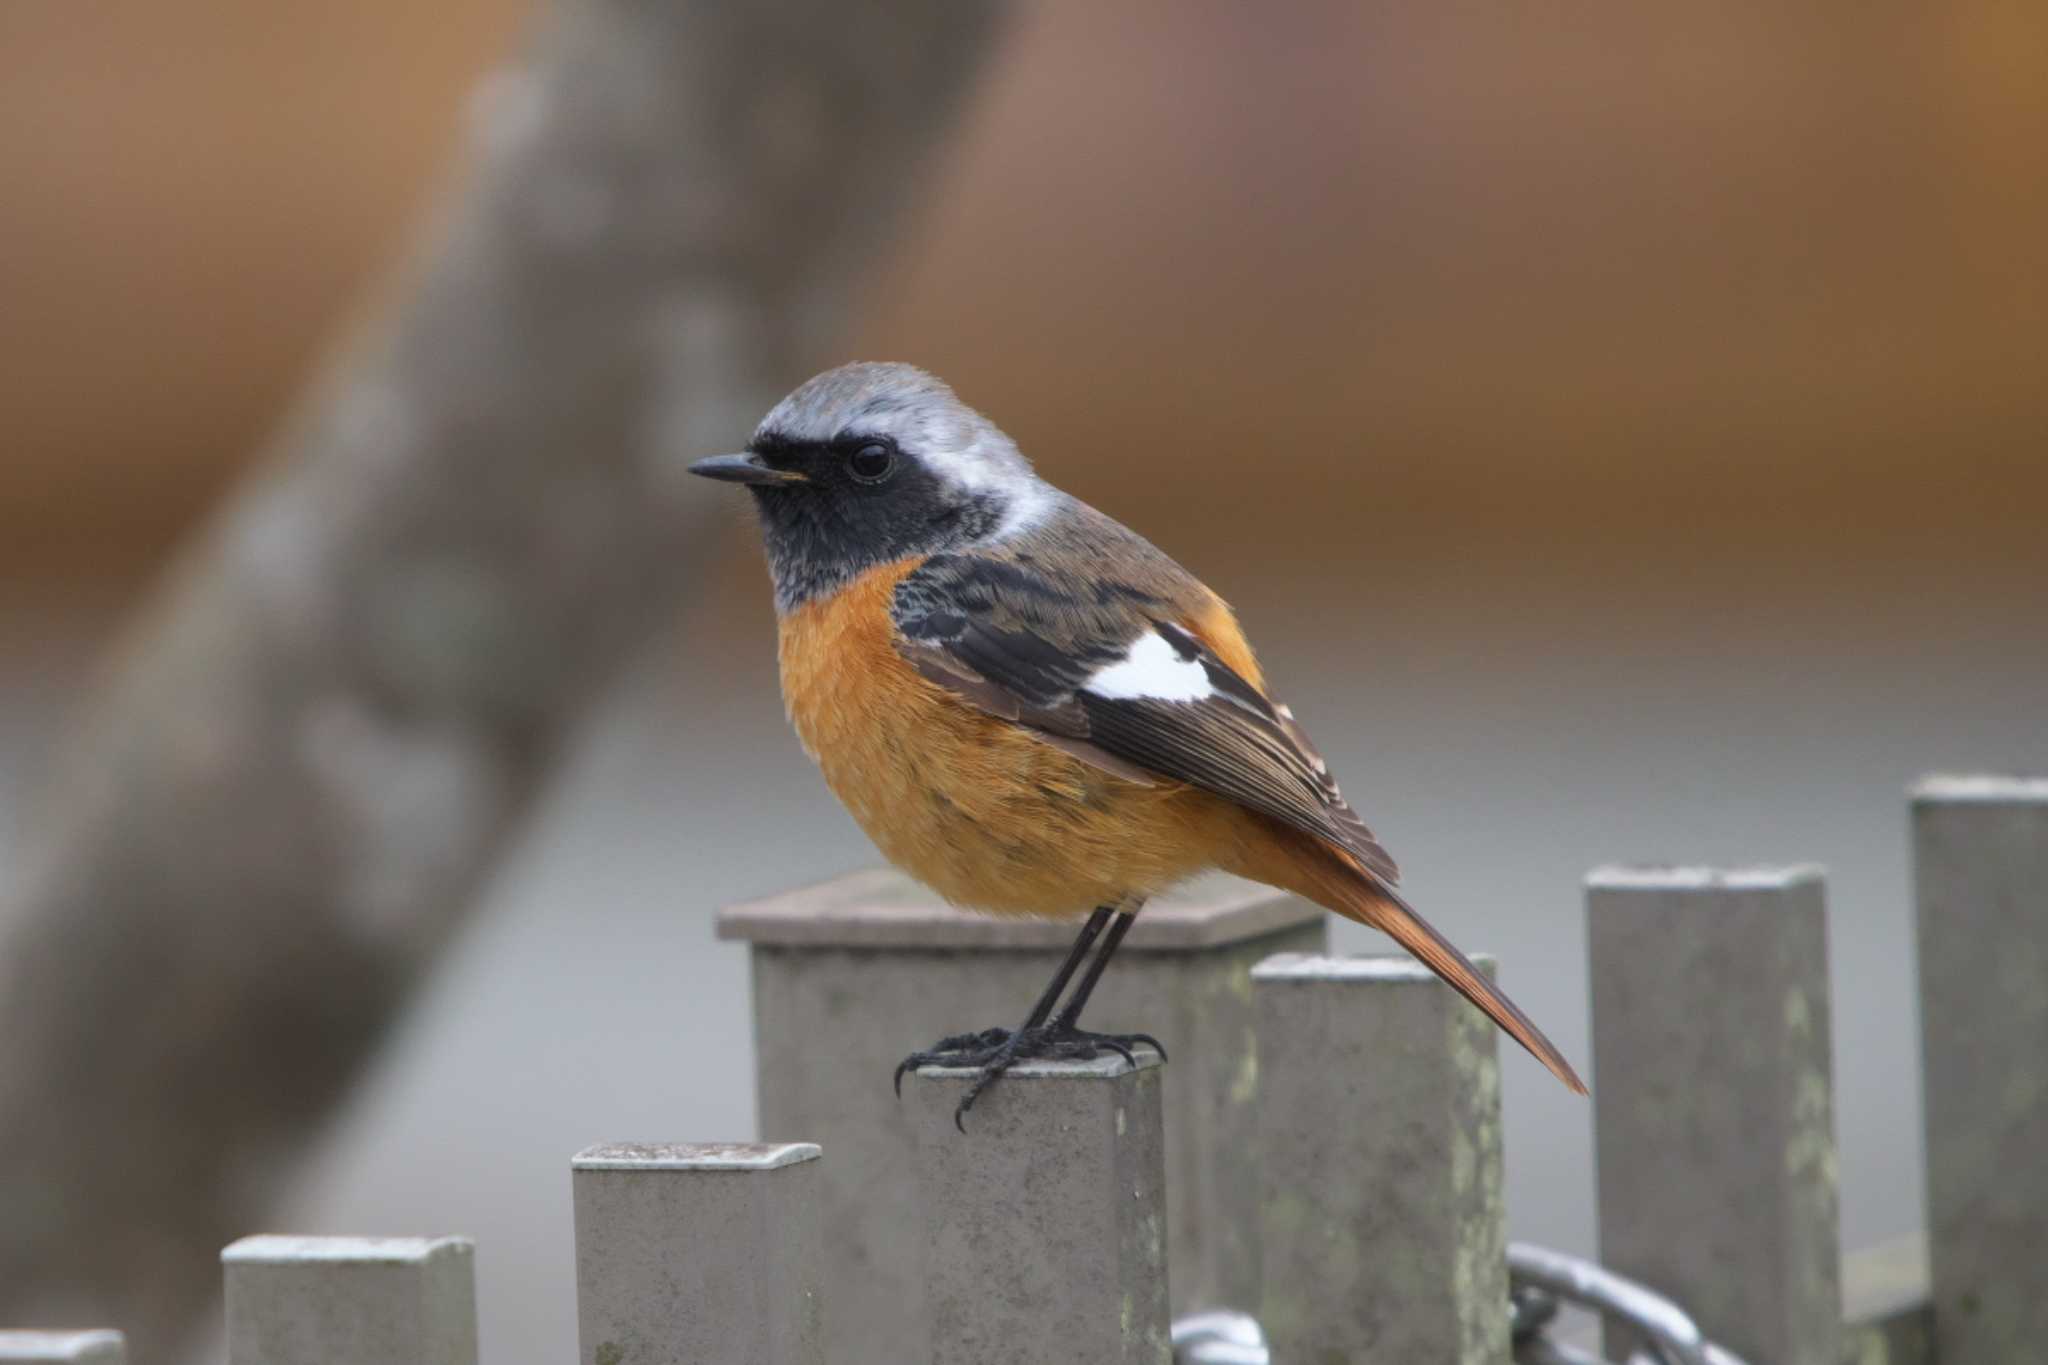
(994, 1051)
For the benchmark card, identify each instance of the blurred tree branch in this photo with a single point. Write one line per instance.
(328, 718)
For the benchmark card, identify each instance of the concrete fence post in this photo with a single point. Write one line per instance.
(1980, 857)
(363, 1300)
(852, 975)
(96, 1347)
(698, 1254)
(1886, 1314)
(1713, 1102)
(1042, 1230)
(1385, 1237)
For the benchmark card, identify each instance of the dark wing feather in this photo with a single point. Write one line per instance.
(1059, 722)
(1022, 645)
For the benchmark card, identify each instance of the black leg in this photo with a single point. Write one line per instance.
(994, 1050)
(1066, 1025)
(959, 1044)
(1043, 1009)
(1072, 1012)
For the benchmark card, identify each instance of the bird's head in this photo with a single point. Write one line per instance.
(872, 463)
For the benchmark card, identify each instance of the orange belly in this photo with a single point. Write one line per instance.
(976, 807)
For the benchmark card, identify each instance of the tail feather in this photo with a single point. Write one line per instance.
(1356, 894)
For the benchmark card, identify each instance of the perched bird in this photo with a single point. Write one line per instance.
(1031, 709)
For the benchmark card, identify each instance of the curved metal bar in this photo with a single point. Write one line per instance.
(1675, 1339)
(1219, 1337)
(1225, 1337)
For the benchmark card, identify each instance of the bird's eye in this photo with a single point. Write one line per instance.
(871, 463)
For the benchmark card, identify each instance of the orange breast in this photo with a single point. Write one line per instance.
(973, 806)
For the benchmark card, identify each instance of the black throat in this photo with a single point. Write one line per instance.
(826, 531)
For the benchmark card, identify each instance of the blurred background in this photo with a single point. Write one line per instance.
(1624, 432)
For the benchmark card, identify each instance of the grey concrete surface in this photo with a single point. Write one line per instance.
(851, 975)
(360, 1300)
(1385, 1232)
(99, 1346)
(1887, 1314)
(1713, 1102)
(1042, 1228)
(698, 1254)
(1980, 857)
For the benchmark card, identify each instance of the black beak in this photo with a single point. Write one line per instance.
(743, 469)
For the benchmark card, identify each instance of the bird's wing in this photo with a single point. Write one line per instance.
(1107, 659)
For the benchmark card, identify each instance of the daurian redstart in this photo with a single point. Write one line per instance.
(1030, 708)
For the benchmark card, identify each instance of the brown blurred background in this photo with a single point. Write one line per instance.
(1735, 271)
(1625, 430)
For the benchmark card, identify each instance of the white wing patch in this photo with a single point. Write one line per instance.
(1152, 670)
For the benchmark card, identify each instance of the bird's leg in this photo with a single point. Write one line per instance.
(971, 1049)
(1062, 1031)
(1072, 1013)
(1044, 1035)
(1060, 1039)
(1050, 996)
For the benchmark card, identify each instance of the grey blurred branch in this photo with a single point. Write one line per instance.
(327, 720)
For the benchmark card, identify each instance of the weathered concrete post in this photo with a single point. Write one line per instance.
(698, 1254)
(1384, 1228)
(1713, 1102)
(1042, 1228)
(364, 1300)
(96, 1347)
(1980, 856)
(852, 975)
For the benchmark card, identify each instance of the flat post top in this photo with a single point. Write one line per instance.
(883, 908)
(275, 1249)
(1615, 877)
(1990, 788)
(693, 1156)
(1107, 1067)
(94, 1346)
(1388, 968)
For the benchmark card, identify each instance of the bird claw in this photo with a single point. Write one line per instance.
(994, 1051)
(959, 1049)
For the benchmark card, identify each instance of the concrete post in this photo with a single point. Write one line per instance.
(96, 1347)
(1886, 1315)
(1385, 1235)
(1042, 1229)
(1980, 855)
(363, 1300)
(1713, 1102)
(852, 975)
(698, 1254)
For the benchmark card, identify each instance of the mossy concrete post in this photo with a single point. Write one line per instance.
(1042, 1228)
(1385, 1236)
(363, 1300)
(1980, 855)
(698, 1254)
(852, 975)
(1713, 1102)
(96, 1347)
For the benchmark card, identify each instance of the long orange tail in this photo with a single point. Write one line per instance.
(1331, 879)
